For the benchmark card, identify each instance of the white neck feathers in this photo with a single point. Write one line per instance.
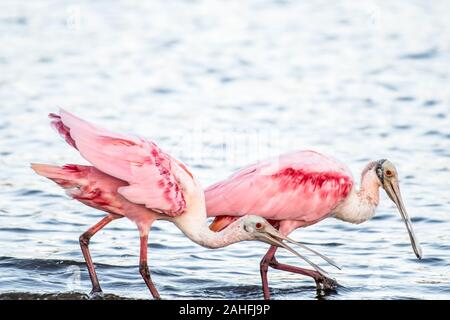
(193, 224)
(360, 205)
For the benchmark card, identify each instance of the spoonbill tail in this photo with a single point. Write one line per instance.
(300, 189)
(132, 177)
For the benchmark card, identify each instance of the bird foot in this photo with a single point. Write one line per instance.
(325, 285)
(96, 295)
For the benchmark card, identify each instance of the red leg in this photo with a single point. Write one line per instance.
(263, 267)
(269, 260)
(322, 283)
(143, 267)
(84, 244)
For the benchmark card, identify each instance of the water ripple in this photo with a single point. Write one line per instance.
(226, 85)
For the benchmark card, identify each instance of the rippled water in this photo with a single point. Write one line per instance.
(220, 84)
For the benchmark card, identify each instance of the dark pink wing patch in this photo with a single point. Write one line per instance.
(325, 183)
(61, 128)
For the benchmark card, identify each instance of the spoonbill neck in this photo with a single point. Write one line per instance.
(193, 223)
(360, 205)
(197, 229)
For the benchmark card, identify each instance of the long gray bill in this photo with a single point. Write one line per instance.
(393, 191)
(312, 264)
(276, 234)
(329, 260)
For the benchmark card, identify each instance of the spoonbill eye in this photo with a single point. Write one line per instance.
(258, 225)
(388, 173)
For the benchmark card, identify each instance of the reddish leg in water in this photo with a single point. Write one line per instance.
(269, 260)
(143, 268)
(84, 244)
(263, 268)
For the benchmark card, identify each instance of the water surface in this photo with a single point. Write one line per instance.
(220, 84)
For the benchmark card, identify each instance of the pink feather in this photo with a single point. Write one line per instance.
(303, 186)
(154, 178)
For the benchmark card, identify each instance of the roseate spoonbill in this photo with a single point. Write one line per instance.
(300, 189)
(131, 177)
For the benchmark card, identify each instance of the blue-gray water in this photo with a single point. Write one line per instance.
(220, 84)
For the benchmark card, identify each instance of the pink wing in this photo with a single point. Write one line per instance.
(87, 185)
(303, 186)
(155, 179)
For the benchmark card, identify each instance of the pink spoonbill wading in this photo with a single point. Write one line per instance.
(132, 177)
(299, 189)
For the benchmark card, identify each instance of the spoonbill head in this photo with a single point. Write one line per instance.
(388, 179)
